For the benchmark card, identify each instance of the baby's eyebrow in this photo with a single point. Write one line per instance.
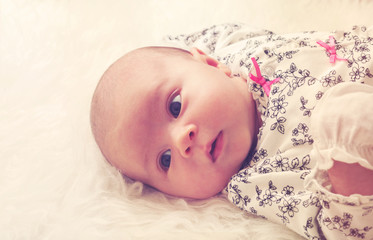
(146, 167)
(156, 99)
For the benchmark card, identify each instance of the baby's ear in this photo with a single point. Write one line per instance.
(199, 55)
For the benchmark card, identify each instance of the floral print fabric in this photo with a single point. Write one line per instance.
(281, 181)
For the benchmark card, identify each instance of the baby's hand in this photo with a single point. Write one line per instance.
(348, 179)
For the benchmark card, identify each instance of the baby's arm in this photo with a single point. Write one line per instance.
(355, 128)
(342, 125)
(342, 128)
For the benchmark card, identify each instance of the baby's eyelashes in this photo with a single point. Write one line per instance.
(174, 105)
(165, 160)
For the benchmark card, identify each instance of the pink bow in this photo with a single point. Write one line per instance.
(331, 49)
(261, 80)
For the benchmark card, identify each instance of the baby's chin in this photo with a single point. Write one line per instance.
(206, 192)
(198, 196)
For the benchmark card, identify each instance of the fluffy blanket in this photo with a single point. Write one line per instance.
(54, 182)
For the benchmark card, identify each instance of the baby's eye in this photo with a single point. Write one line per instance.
(175, 106)
(165, 160)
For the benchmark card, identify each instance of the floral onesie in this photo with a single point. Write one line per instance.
(291, 77)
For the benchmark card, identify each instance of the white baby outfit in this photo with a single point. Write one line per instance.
(317, 110)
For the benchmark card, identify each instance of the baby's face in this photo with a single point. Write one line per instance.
(185, 128)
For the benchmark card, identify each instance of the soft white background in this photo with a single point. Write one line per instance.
(54, 183)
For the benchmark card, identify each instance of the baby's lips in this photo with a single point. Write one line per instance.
(214, 147)
(209, 149)
(219, 143)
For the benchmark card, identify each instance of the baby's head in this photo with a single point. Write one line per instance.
(175, 120)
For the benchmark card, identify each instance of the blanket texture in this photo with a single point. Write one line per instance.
(54, 182)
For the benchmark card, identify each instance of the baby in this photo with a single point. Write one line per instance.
(165, 117)
(183, 123)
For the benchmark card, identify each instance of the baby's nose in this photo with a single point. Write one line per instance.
(184, 139)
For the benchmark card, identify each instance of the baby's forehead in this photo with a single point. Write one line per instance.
(142, 78)
(138, 91)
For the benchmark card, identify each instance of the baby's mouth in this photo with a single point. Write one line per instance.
(213, 147)
(216, 146)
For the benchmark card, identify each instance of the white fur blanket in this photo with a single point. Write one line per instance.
(54, 183)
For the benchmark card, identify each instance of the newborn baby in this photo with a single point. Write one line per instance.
(281, 123)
